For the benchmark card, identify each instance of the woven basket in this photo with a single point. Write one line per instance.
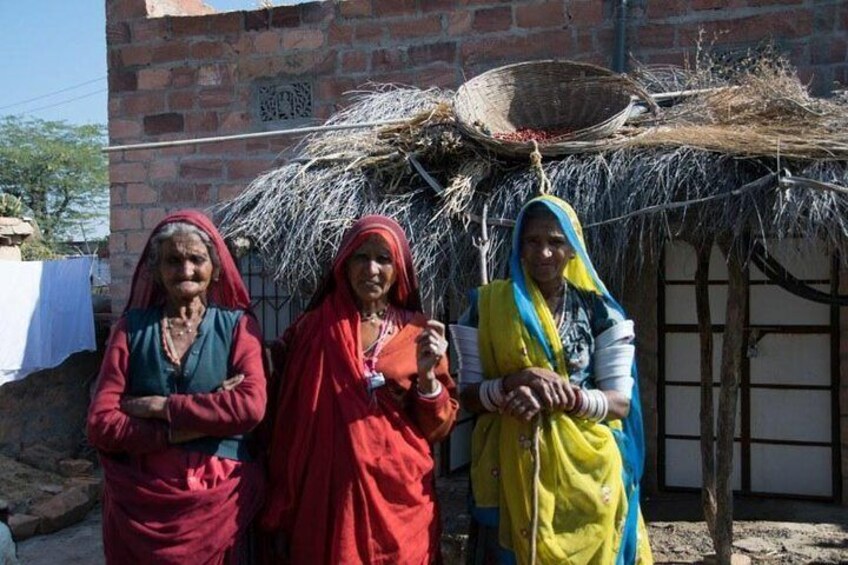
(587, 101)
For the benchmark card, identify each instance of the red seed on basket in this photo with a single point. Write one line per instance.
(526, 134)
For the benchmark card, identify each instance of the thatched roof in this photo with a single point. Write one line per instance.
(684, 172)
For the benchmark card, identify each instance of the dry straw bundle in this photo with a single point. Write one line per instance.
(673, 173)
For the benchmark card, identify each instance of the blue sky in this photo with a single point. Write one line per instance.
(53, 63)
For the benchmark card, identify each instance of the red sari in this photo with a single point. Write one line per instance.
(162, 503)
(352, 475)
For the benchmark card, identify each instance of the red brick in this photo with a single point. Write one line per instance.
(161, 169)
(655, 36)
(828, 50)
(124, 129)
(126, 10)
(459, 22)
(388, 60)
(383, 8)
(257, 20)
(142, 103)
(334, 88)
(209, 49)
(122, 219)
(247, 169)
(145, 156)
(138, 193)
(354, 62)
(157, 124)
(201, 169)
(122, 81)
(418, 27)
(355, 8)
(698, 5)
(667, 9)
(543, 44)
(127, 172)
(303, 39)
(214, 75)
(227, 192)
(339, 34)
(172, 51)
(773, 2)
(776, 25)
(672, 58)
(181, 100)
(153, 79)
(136, 241)
(201, 122)
(117, 33)
(285, 16)
(434, 52)
(369, 32)
(181, 77)
(586, 13)
(448, 6)
(117, 244)
(492, 19)
(317, 12)
(234, 122)
(215, 97)
(150, 29)
(186, 26)
(177, 192)
(230, 22)
(135, 55)
(152, 216)
(266, 42)
(204, 194)
(546, 14)
(117, 194)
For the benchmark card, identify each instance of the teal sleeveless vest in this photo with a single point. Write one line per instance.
(206, 366)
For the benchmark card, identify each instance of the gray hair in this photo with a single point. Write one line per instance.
(170, 230)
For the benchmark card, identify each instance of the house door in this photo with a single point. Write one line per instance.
(787, 435)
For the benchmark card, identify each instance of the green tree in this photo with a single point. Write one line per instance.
(57, 170)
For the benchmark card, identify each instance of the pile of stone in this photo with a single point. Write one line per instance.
(46, 492)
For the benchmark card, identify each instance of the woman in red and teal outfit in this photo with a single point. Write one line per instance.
(181, 386)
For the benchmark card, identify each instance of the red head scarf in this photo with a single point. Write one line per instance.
(324, 421)
(404, 293)
(228, 291)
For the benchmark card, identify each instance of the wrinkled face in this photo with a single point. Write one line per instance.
(544, 249)
(185, 268)
(371, 271)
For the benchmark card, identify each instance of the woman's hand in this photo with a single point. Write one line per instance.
(522, 404)
(431, 346)
(552, 391)
(230, 383)
(145, 406)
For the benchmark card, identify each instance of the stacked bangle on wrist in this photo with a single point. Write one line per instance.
(492, 394)
(591, 404)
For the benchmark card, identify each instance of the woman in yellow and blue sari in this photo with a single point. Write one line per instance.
(553, 352)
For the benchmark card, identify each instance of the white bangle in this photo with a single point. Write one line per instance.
(487, 399)
(433, 394)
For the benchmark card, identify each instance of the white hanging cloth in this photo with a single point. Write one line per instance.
(45, 314)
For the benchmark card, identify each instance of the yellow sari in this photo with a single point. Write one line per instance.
(583, 500)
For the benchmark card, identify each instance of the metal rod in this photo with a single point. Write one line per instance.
(256, 135)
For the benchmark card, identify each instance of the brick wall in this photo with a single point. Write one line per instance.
(190, 74)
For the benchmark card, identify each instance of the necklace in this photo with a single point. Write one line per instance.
(188, 327)
(374, 316)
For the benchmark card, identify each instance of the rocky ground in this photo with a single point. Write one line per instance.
(766, 531)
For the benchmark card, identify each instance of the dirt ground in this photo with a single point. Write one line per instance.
(768, 531)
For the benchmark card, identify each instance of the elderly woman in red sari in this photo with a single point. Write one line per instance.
(364, 392)
(181, 385)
